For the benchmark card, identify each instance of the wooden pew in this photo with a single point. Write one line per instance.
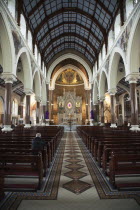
(2, 194)
(22, 165)
(124, 165)
(22, 151)
(119, 149)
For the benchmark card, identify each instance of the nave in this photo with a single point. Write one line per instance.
(82, 184)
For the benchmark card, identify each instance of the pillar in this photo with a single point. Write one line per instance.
(132, 78)
(20, 112)
(117, 107)
(38, 99)
(27, 110)
(96, 113)
(50, 104)
(112, 99)
(9, 79)
(102, 110)
(87, 97)
(44, 112)
(47, 106)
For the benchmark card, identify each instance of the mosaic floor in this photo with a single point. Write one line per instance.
(73, 182)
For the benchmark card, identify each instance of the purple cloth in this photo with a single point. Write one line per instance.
(47, 115)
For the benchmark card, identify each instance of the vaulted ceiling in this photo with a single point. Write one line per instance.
(59, 25)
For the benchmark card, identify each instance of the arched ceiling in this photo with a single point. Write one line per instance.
(58, 25)
(69, 61)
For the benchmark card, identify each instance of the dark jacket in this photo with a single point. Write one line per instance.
(38, 144)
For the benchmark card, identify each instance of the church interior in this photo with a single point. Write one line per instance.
(70, 72)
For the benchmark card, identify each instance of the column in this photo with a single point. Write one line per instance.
(117, 107)
(38, 99)
(102, 110)
(50, 104)
(132, 78)
(87, 95)
(112, 93)
(27, 110)
(44, 113)
(96, 113)
(9, 79)
(47, 105)
(21, 112)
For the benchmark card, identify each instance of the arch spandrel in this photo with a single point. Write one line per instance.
(113, 66)
(63, 57)
(26, 63)
(7, 44)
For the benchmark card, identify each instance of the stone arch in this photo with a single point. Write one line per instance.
(27, 71)
(1, 109)
(37, 84)
(133, 50)
(7, 44)
(113, 67)
(72, 56)
(1, 105)
(86, 85)
(43, 93)
(103, 84)
(95, 93)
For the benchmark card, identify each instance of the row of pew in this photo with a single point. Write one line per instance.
(117, 152)
(18, 160)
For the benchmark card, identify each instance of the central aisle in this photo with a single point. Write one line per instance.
(76, 188)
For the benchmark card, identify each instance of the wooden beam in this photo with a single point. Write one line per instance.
(105, 8)
(69, 34)
(121, 6)
(76, 10)
(35, 8)
(66, 43)
(70, 22)
(19, 9)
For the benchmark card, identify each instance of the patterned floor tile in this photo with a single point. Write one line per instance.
(74, 166)
(72, 156)
(77, 186)
(74, 174)
(73, 160)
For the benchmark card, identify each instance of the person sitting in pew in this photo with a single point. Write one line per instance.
(38, 144)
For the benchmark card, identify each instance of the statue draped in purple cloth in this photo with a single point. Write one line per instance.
(47, 115)
(92, 115)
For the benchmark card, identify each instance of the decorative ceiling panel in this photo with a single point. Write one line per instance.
(82, 25)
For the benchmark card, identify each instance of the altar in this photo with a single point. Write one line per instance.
(69, 108)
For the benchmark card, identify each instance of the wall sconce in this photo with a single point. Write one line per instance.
(86, 104)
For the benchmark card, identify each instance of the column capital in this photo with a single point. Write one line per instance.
(132, 78)
(21, 104)
(51, 88)
(8, 77)
(43, 103)
(28, 91)
(101, 98)
(112, 91)
(87, 88)
(38, 98)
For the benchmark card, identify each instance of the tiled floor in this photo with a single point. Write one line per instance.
(76, 188)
